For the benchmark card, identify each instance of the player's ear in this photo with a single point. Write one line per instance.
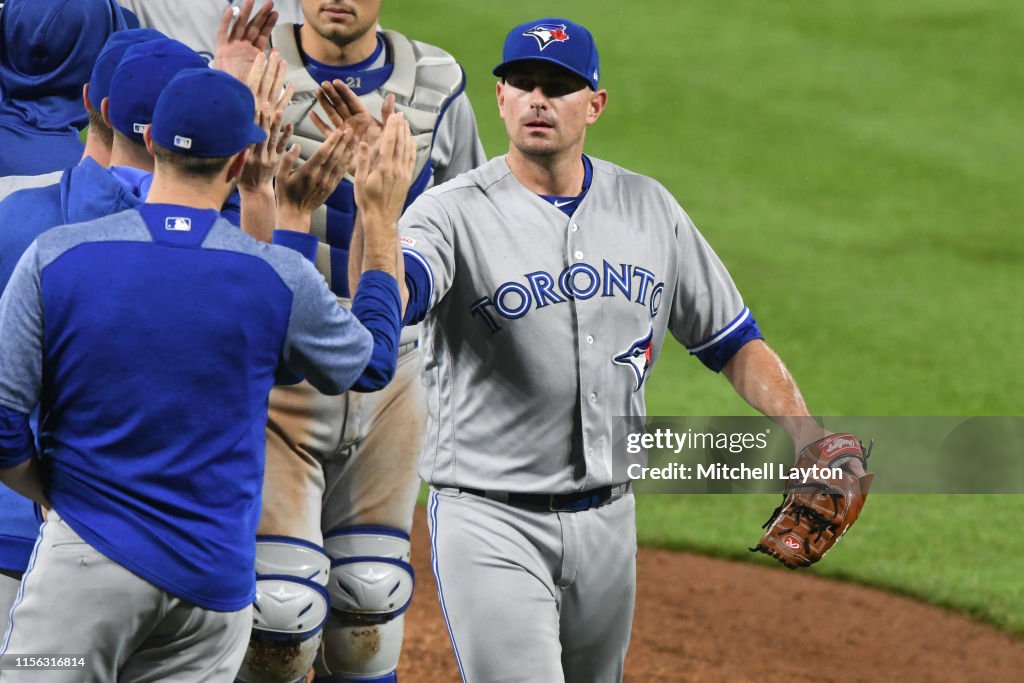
(499, 93)
(105, 111)
(147, 134)
(237, 164)
(598, 101)
(85, 96)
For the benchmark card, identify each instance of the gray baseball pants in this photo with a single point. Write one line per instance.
(76, 601)
(8, 592)
(534, 596)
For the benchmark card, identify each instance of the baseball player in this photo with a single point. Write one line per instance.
(547, 280)
(147, 553)
(341, 482)
(47, 49)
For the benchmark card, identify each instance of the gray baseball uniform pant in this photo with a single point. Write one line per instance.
(534, 596)
(76, 601)
(8, 592)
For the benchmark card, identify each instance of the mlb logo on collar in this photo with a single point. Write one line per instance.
(178, 224)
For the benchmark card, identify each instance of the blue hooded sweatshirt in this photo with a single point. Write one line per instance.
(84, 192)
(47, 51)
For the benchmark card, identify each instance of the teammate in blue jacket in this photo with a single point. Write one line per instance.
(47, 49)
(81, 193)
(165, 328)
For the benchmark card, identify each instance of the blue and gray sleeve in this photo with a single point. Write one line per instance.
(377, 305)
(21, 343)
(336, 349)
(707, 314)
(427, 237)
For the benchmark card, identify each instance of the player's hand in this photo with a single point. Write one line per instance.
(384, 173)
(266, 80)
(344, 108)
(301, 190)
(239, 42)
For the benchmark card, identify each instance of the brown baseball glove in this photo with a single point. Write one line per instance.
(815, 514)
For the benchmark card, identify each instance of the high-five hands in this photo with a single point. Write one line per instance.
(300, 190)
(344, 108)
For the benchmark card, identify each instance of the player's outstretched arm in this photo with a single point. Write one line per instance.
(762, 379)
(383, 176)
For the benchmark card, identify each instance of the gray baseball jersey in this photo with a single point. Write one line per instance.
(195, 22)
(542, 328)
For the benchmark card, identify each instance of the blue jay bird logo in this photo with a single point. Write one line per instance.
(547, 34)
(638, 358)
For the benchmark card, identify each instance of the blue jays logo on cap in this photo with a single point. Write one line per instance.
(547, 34)
(575, 49)
(638, 358)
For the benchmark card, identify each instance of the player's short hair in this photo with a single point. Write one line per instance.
(206, 168)
(97, 125)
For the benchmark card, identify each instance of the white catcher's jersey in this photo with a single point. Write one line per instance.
(195, 22)
(542, 328)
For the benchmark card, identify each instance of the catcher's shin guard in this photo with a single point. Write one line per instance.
(290, 610)
(370, 586)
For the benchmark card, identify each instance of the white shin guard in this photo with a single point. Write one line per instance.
(370, 587)
(290, 610)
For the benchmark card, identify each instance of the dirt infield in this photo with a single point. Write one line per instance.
(699, 619)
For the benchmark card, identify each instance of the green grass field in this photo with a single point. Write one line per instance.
(857, 167)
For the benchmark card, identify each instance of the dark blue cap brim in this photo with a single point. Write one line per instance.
(500, 70)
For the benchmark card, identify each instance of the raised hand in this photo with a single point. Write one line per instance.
(384, 173)
(301, 190)
(241, 40)
(344, 108)
(266, 81)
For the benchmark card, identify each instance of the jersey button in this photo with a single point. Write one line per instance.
(575, 227)
(578, 255)
(590, 339)
(590, 452)
(593, 398)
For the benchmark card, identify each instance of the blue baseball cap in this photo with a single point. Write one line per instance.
(206, 113)
(558, 41)
(110, 56)
(143, 72)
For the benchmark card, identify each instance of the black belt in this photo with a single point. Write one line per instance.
(555, 502)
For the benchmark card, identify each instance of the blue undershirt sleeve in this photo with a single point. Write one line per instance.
(417, 281)
(302, 242)
(377, 304)
(16, 442)
(232, 209)
(718, 350)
